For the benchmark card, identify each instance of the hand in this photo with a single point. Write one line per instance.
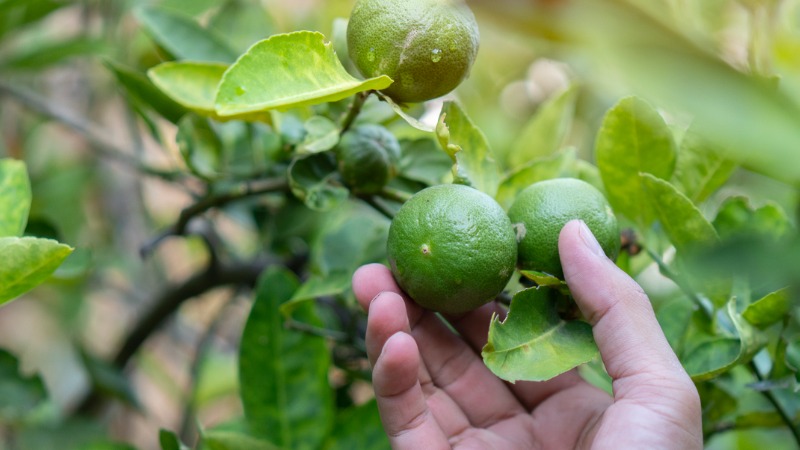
(434, 391)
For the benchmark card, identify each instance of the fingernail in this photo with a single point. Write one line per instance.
(589, 240)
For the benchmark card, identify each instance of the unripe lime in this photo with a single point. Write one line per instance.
(541, 211)
(452, 248)
(368, 156)
(426, 46)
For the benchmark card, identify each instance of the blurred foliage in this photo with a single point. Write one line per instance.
(156, 151)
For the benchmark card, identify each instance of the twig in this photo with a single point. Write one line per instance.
(776, 404)
(102, 143)
(244, 190)
(354, 110)
(394, 195)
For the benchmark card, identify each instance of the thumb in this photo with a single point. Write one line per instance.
(631, 342)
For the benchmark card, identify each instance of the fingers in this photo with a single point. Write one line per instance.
(450, 370)
(625, 327)
(631, 342)
(404, 412)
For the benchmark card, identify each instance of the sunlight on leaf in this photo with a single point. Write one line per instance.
(15, 197)
(26, 263)
(288, 71)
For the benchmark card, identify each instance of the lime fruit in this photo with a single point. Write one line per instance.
(451, 248)
(368, 156)
(426, 46)
(540, 212)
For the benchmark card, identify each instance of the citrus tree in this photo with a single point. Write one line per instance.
(195, 183)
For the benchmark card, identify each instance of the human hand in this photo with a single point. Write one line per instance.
(434, 391)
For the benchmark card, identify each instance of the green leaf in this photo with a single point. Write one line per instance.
(322, 286)
(353, 237)
(683, 223)
(19, 395)
(231, 440)
(770, 309)
(543, 279)
(26, 263)
(283, 373)
(633, 139)
(674, 318)
(145, 92)
(169, 440)
(700, 169)
(183, 37)
(288, 71)
(469, 149)
(40, 56)
(358, 428)
(15, 14)
(322, 134)
(15, 197)
(720, 353)
(533, 343)
(737, 218)
(109, 380)
(546, 131)
(422, 160)
(191, 84)
(315, 181)
(553, 166)
(200, 146)
(242, 22)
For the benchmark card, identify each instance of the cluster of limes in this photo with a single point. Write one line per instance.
(453, 248)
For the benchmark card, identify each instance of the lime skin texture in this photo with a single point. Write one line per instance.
(368, 155)
(451, 248)
(426, 46)
(542, 209)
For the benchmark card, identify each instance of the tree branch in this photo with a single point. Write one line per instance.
(244, 190)
(103, 144)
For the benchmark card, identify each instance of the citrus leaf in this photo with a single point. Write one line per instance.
(546, 131)
(700, 169)
(633, 139)
(183, 37)
(15, 197)
(288, 71)
(169, 440)
(140, 88)
(318, 286)
(533, 343)
(15, 14)
(243, 23)
(411, 120)
(26, 263)
(682, 221)
(200, 146)
(314, 180)
(19, 395)
(736, 217)
(541, 169)
(358, 427)
(768, 310)
(542, 279)
(283, 373)
(421, 160)
(231, 440)
(46, 54)
(474, 163)
(720, 353)
(191, 84)
(322, 134)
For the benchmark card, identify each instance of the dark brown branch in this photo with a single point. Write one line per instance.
(247, 189)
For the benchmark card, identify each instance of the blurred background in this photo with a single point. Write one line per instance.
(107, 175)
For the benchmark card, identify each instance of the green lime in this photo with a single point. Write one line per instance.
(540, 212)
(368, 156)
(426, 46)
(452, 248)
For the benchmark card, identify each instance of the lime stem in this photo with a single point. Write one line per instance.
(352, 112)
